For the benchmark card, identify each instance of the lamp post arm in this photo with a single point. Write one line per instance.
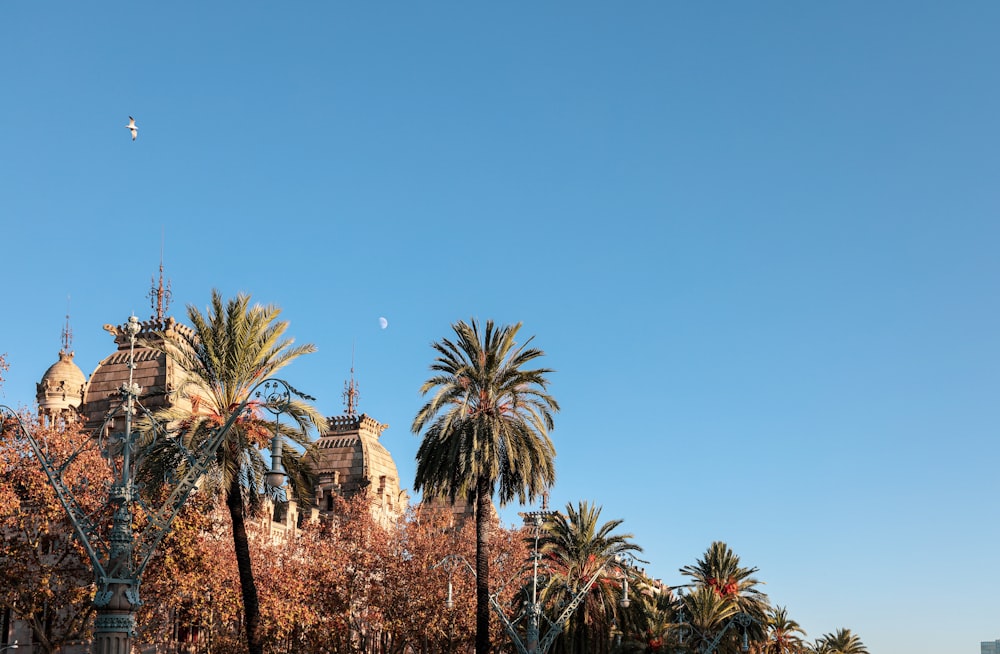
(82, 525)
(742, 620)
(508, 627)
(718, 638)
(557, 625)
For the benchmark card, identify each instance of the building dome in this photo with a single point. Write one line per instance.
(60, 393)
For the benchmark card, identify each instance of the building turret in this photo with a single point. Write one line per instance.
(60, 393)
(349, 460)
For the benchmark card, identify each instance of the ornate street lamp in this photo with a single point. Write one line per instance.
(277, 398)
(533, 609)
(11, 646)
(741, 621)
(119, 560)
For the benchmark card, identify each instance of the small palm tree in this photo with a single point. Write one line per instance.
(577, 547)
(840, 642)
(784, 634)
(230, 352)
(704, 613)
(487, 423)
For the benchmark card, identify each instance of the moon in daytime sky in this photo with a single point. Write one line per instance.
(383, 323)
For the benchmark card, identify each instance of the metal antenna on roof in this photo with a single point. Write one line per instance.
(67, 334)
(351, 393)
(158, 295)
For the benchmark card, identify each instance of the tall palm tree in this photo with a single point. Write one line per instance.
(231, 351)
(784, 634)
(487, 424)
(840, 642)
(576, 547)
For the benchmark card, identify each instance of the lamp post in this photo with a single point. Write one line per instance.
(534, 609)
(119, 560)
(11, 646)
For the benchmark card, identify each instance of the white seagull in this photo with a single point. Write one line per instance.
(131, 126)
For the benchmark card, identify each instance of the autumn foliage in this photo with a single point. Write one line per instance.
(45, 576)
(341, 585)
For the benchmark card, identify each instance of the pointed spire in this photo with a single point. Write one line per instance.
(351, 393)
(159, 296)
(67, 333)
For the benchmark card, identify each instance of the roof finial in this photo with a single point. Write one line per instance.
(351, 393)
(159, 296)
(67, 334)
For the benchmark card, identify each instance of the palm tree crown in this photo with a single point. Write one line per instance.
(784, 634)
(840, 642)
(720, 571)
(488, 417)
(231, 352)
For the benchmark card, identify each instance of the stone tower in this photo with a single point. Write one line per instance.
(60, 393)
(349, 460)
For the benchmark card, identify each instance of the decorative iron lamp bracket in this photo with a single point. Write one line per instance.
(119, 563)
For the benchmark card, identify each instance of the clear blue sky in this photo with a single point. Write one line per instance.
(757, 240)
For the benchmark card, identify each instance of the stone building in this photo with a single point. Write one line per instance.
(348, 458)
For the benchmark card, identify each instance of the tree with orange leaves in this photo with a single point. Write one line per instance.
(45, 576)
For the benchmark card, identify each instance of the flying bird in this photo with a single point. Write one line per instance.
(131, 126)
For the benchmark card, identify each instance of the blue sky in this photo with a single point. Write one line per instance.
(757, 241)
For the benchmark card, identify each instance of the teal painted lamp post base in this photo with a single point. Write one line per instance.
(113, 632)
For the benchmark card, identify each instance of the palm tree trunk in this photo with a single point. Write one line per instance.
(482, 565)
(241, 543)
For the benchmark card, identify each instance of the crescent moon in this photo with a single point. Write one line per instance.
(383, 323)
